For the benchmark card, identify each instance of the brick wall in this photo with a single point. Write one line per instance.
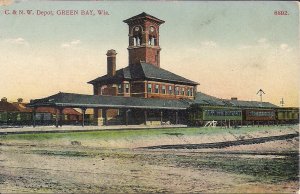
(138, 89)
(167, 94)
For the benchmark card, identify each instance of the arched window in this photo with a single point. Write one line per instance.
(152, 40)
(137, 35)
(137, 40)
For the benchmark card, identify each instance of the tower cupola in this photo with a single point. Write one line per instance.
(144, 39)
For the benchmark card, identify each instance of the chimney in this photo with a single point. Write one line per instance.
(234, 98)
(4, 99)
(111, 62)
(20, 100)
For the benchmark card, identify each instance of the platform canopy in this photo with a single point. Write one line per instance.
(95, 101)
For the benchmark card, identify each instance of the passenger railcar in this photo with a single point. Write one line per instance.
(287, 115)
(199, 115)
(259, 116)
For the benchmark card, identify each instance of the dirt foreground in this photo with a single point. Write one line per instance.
(56, 166)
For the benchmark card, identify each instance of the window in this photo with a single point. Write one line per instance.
(137, 40)
(163, 89)
(176, 90)
(151, 40)
(170, 90)
(156, 88)
(149, 88)
(188, 92)
(120, 88)
(182, 91)
(127, 88)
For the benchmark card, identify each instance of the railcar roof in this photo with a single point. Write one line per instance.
(204, 99)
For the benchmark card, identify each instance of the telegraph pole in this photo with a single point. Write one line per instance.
(282, 102)
(260, 92)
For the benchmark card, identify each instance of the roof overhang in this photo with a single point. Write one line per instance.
(93, 101)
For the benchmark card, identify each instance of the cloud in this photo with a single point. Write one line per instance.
(262, 40)
(18, 41)
(260, 43)
(209, 44)
(242, 47)
(72, 43)
(285, 47)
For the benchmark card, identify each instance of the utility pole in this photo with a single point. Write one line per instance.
(260, 92)
(282, 102)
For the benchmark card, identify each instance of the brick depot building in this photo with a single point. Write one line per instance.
(143, 77)
(141, 93)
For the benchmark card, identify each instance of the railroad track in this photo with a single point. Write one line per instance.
(227, 143)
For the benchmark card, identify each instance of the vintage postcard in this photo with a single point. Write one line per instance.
(149, 96)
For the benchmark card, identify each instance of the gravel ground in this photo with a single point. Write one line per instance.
(65, 168)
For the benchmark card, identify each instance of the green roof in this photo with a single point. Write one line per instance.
(250, 104)
(94, 101)
(204, 99)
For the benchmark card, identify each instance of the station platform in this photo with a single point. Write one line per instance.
(66, 128)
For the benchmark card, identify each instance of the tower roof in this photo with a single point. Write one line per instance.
(144, 16)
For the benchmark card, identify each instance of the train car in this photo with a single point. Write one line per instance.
(258, 116)
(287, 115)
(22, 118)
(44, 118)
(3, 118)
(199, 115)
(15, 118)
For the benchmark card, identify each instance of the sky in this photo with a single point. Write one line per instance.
(232, 49)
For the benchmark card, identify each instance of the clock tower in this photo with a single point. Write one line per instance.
(144, 39)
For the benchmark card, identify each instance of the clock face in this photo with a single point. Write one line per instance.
(152, 29)
(136, 28)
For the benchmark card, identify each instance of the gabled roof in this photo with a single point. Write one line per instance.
(144, 71)
(7, 107)
(121, 74)
(93, 101)
(204, 99)
(144, 15)
(23, 108)
(250, 104)
(154, 72)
